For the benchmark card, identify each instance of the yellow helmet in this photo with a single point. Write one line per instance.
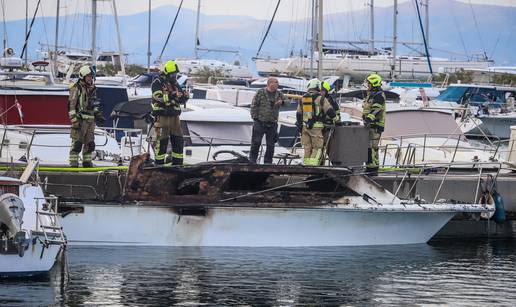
(374, 79)
(314, 84)
(326, 85)
(84, 71)
(170, 67)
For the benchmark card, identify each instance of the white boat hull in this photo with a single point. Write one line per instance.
(222, 226)
(33, 262)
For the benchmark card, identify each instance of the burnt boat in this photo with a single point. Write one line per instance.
(243, 204)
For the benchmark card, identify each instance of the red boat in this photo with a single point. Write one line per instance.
(33, 98)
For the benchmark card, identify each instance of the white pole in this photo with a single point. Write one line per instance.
(94, 34)
(26, 25)
(120, 46)
(394, 39)
(371, 28)
(56, 41)
(320, 40)
(149, 38)
(312, 40)
(196, 54)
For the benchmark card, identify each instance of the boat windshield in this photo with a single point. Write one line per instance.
(217, 133)
(452, 93)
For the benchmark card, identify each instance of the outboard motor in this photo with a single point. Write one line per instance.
(11, 212)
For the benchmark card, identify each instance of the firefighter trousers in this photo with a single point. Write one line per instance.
(83, 139)
(312, 141)
(168, 127)
(372, 152)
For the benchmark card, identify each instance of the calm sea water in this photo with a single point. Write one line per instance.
(456, 273)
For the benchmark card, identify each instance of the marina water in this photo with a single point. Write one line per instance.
(441, 272)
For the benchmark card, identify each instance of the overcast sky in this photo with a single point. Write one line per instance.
(259, 9)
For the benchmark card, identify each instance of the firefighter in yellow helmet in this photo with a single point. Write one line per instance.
(373, 115)
(167, 97)
(309, 119)
(329, 123)
(83, 110)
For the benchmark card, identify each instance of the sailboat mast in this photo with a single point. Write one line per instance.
(149, 38)
(394, 39)
(320, 39)
(371, 27)
(94, 34)
(424, 38)
(196, 45)
(120, 46)
(427, 21)
(312, 40)
(26, 24)
(56, 39)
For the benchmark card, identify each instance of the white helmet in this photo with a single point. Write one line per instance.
(84, 71)
(314, 84)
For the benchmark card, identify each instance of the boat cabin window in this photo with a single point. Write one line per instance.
(143, 80)
(452, 93)
(216, 133)
(78, 57)
(104, 58)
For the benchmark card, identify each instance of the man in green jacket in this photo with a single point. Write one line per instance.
(264, 111)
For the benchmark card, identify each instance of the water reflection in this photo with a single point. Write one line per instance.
(442, 273)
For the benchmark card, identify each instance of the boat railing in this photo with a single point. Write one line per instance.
(212, 142)
(425, 168)
(128, 137)
(51, 231)
(452, 143)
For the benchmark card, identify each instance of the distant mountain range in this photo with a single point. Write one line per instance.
(455, 27)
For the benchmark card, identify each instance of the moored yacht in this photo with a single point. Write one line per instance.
(30, 235)
(242, 204)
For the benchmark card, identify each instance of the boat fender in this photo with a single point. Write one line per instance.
(487, 201)
(499, 214)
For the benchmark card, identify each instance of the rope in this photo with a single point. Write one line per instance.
(268, 28)
(477, 28)
(24, 49)
(170, 32)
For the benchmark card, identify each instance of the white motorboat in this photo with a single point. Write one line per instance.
(425, 135)
(217, 132)
(51, 145)
(475, 104)
(241, 204)
(30, 235)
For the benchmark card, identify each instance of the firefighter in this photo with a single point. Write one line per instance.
(167, 97)
(329, 123)
(83, 110)
(326, 92)
(309, 119)
(373, 115)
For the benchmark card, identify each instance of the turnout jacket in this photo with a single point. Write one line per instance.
(82, 102)
(165, 100)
